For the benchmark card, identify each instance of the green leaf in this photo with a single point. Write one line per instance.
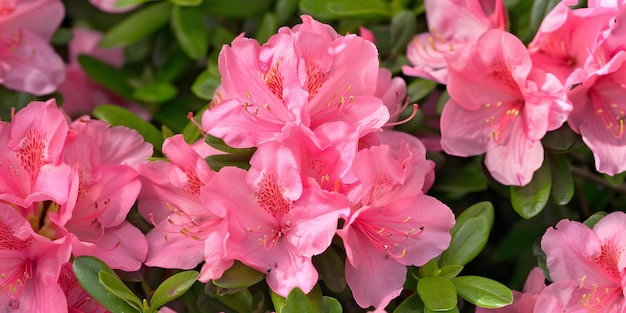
(218, 161)
(539, 10)
(298, 302)
(467, 242)
(219, 144)
(172, 288)
(594, 218)
(105, 74)
(121, 4)
(285, 9)
(239, 276)
(139, 25)
(430, 269)
(331, 270)
(616, 179)
(267, 27)
(529, 200)
(450, 271)
(331, 305)
(177, 65)
(403, 26)
(562, 189)
(191, 3)
(420, 88)
(116, 115)
(240, 301)
(155, 93)
(437, 293)
(483, 292)
(87, 269)
(235, 8)
(484, 209)
(454, 310)
(461, 181)
(336, 9)
(205, 84)
(412, 304)
(560, 140)
(114, 285)
(190, 31)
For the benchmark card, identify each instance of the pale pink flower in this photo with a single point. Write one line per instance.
(110, 6)
(586, 266)
(524, 302)
(599, 106)
(27, 61)
(454, 26)
(392, 224)
(30, 266)
(78, 300)
(306, 75)
(275, 224)
(171, 199)
(500, 106)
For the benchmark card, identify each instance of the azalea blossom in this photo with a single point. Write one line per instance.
(275, 224)
(392, 224)
(586, 266)
(502, 106)
(305, 75)
(454, 26)
(27, 61)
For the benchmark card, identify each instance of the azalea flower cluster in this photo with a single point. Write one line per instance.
(505, 96)
(585, 267)
(304, 103)
(65, 191)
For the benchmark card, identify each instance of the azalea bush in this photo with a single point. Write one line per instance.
(312, 156)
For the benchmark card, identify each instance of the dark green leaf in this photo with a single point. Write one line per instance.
(267, 27)
(285, 9)
(420, 88)
(336, 9)
(616, 179)
(235, 8)
(331, 305)
(114, 285)
(140, 24)
(106, 75)
(190, 31)
(174, 67)
(239, 276)
(529, 200)
(539, 10)
(403, 28)
(121, 4)
(240, 301)
(331, 270)
(298, 302)
(593, 219)
(116, 115)
(467, 242)
(560, 140)
(191, 3)
(172, 288)
(86, 269)
(412, 304)
(484, 209)
(437, 293)
(562, 188)
(155, 93)
(483, 292)
(206, 83)
(219, 144)
(460, 181)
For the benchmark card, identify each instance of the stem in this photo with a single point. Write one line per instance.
(621, 188)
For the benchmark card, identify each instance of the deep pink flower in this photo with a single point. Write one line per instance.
(524, 302)
(275, 224)
(306, 75)
(30, 266)
(586, 265)
(392, 224)
(500, 106)
(454, 25)
(27, 62)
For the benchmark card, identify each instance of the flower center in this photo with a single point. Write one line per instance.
(501, 119)
(271, 198)
(611, 114)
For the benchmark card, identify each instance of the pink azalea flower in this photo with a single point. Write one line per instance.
(586, 265)
(599, 108)
(171, 199)
(454, 25)
(500, 106)
(107, 189)
(392, 91)
(392, 225)
(30, 266)
(276, 224)
(306, 75)
(524, 302)
(27, 62)
(110, 6)
(81, 94)
(30, 166)
(78, 300)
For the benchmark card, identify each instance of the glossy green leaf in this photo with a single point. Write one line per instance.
(450, 271)
(116, 115)
(114, 285)
(331, 269)
(483, 292)
(267, 27)
(560, 140)
(191, 3)
(539, 10)
(562, 189)
(298, 302)
(412, 304)
(420, 88)
(437, 293)
(461, 181)
(331, 305)
(172, 288)
(467, 242)
(87, 269)
(529, 200)
(106, 75)
(205, 84)
(454, 310)
(240, 301)
(430, 269)
(336, 9)
(219, 144)
(121, 4)
(143, 22)
(155, 93)
(218, 161)
(484, 209)
(235, 8)
(239, 276)
(403, 26)
(285, 9)
(594, 218)
(190, 31)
